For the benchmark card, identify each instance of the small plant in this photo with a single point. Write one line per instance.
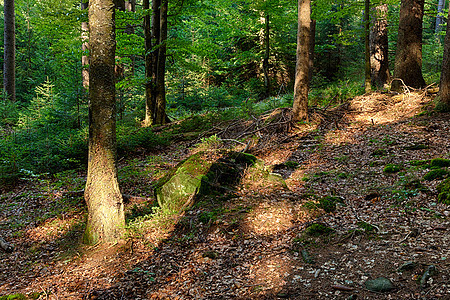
(211, 143)
(390, 169)
(318, 229)
(436, 174)
(440, 162)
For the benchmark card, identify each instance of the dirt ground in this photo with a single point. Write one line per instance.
(254, 241)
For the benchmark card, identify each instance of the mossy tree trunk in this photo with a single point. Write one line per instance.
(408, 58)
(379, 56)
(301, 85)
(444, 88)
(9, 64)
(106, 219)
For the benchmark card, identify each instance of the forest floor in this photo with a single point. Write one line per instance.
(255, 240)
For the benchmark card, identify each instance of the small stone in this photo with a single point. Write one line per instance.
(380, 284)
(407, 266)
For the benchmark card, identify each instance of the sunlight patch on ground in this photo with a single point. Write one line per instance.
(339, 137)
(271, 273)
(270, 218)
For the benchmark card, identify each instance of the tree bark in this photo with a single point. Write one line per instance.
(9, 64)
(106, 218)
(85, 47)
(149, 103)
(266, 56)
(408, 59)
(439, 16)
(379, 56)
(301, 85)
(160, 113)
(444, 87)
(367, 69)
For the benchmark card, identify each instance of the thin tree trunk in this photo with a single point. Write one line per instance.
(266, 56)
(444, 88)
(161, 116)
(301, 86)
(85, 47)
(408, 59)
(367, 69)
(149, 104)
(439, 16)
(106, 219)
(379, 56)
(9, 64)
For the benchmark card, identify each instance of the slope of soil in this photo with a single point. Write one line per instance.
(252, 241)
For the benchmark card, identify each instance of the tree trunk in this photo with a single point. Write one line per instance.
(9, 64)
(266, 56)
(444, 88)
(408, 59)
(439, 16)
(149, 103)
(85, 47)
(379, 56)
(106, 219)
(160, 113)
(367, 70)
(301, 86)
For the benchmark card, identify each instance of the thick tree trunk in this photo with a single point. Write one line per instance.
(149, 103)
(444, 88)
(85, 47)
(160, 113)
(439, 16)
(408, 59)
(301, 86)
(266, 56)
(106, 219)
(9, 64)
(379, 56)
(367, 70)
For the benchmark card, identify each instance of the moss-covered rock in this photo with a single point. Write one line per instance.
(200, 174)
(444, 191)
(390, 168)
(436, 174)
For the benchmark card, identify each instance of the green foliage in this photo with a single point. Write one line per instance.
(130, 139)
(328, 203)
(390, 168)
(436, 174)
(444, 191)
(369, 228)
(440, 162)
(318, 229)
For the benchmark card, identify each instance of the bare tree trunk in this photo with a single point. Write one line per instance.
(9, 64)
(160, 113)
(408, 59)
(266, 56)
(439, 16)
(149, 103)
(106, 218)
(444, 88)
(85, 47)
(367, 69)
(301, 86)
(379, 56)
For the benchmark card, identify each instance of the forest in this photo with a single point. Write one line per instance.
(199, 149)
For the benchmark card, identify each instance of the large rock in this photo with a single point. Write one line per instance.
(201, 173)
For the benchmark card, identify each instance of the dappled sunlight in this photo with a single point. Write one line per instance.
(271, 273)
(269, 218)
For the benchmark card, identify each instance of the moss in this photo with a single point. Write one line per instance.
(390, 168)
(366, 227)
(436, 174)
(318, 229)
(328, 203)
(14, 297)
(440, 162)
(379, 152)
(444, 191)
(416, 147)
(420, 163)
(291, 164)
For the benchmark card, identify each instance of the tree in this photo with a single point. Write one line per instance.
(439, 16)
(85, 46)
(367, 69)
(105, 204)
(301, 85)
(9, 65)
(408, 58)
(379, 56)
(444, 87)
